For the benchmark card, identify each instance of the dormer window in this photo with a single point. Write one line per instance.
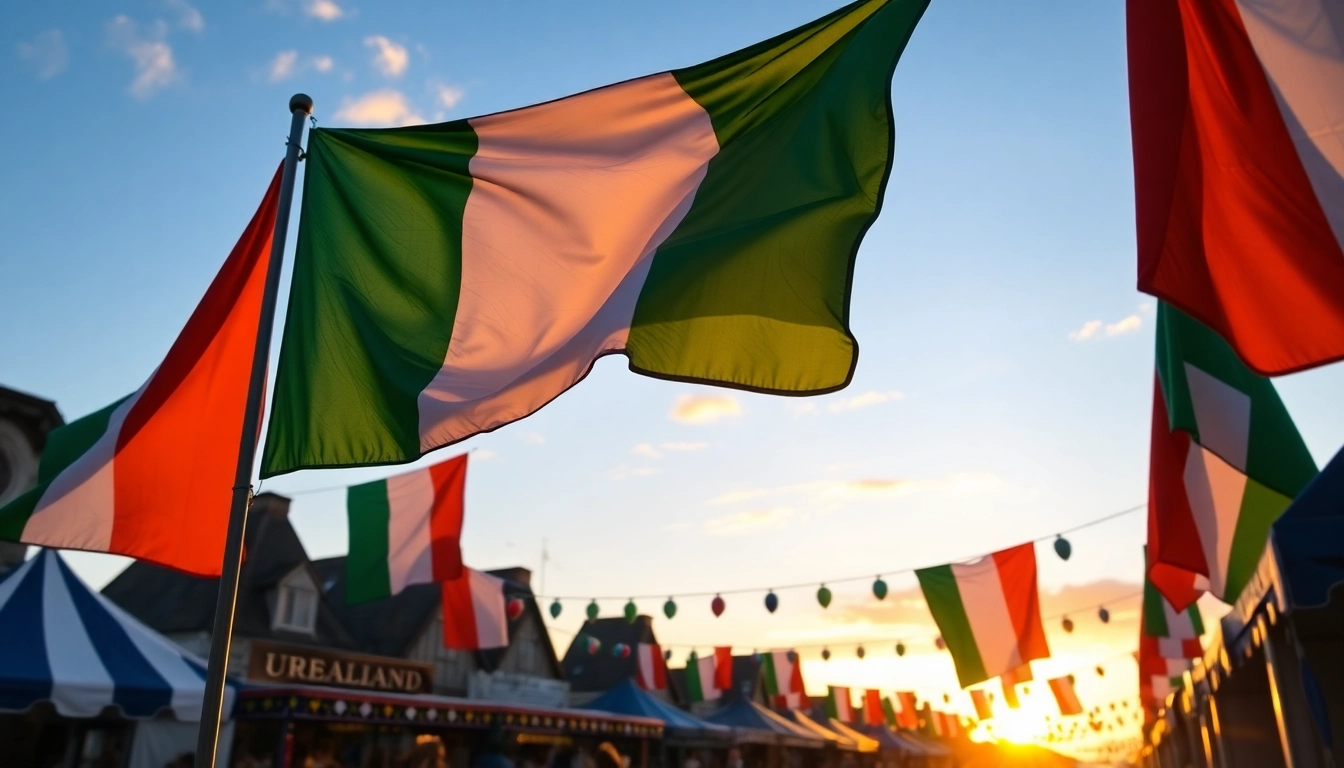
(296, 605)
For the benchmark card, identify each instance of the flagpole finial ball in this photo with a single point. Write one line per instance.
(301, 102)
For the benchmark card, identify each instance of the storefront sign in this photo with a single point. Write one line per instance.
(517, 689)
(276, 663)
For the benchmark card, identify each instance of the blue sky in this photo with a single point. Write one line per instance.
(1004, 382)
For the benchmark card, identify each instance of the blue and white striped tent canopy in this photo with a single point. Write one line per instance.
(64, 643)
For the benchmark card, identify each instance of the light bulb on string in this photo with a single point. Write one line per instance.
(1062, 547)
(717, 606)
(631, 611)
(771, 601)
(670, 608)
(825, 654)
(556, 608)
(900, 649)
(880, 589)
(593, 610)
(860, 652)
(824, 596)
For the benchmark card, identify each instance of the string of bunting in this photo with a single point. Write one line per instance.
(1063, 548)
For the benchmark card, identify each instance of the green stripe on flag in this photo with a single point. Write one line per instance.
(1260, 507)
(367, 194)
(369, 516)
(944, 600)
(695, 689)
(1154, 613)
(769, 676)
(752, 288)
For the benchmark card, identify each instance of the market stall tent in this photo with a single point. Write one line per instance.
(626, 698)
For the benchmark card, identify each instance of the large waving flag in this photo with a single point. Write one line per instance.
(988, 612)
(704, 222)
(405, 530)
(1239, 170)
(1226, 460)
(151, 476)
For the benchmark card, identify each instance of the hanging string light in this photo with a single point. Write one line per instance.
(880, 589)
(1063, 548)
(824, 596)
(940, 643)
(1104, 615)
(594, 645)
(514, 608)
(555, 609)
(717, 605)
(900, 649)
(860, 652)
(1101, 671)
(593, 610)
(631, 612)
(670, 608)
(1067, 623)
(825, 654)
(771, 601)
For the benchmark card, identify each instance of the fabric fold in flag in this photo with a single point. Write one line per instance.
(474, 614)
(1239, 171)
(700, 679)
(988, 612)
(450, 279)
(1065, 696)
(405, 530)
(151, 476)
(838, 704)
(1178, 632)
(1225, 461)
(651, 672)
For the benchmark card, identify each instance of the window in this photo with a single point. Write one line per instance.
(296, 609)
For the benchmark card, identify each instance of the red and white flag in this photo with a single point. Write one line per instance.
(872, 707)
(652, 670)
(907, 713)
(151, 476)
(1065, 696)
(474, 613)
(1235, 112)
(723, 668)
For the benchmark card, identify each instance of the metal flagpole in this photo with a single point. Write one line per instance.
(221, 635)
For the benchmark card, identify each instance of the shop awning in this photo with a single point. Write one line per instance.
(821, 731)
(628, 699)
(1309, 537)
(890, 741)
(756, 723)
(66, 644)
(865, 743)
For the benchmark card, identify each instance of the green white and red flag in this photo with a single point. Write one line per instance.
(838, 705)
(983, 709)
(651, 669)
(1158, 676)
(1065, 696)
(782, 676)
(405, 530)
(700, 679)
(1239, 171)
(1177, 632)
(151, 476)
(704, 222)
(1226, 460)
(889, 712)
(988, 612)
(474, 612)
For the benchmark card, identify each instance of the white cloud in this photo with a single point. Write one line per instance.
(379, 109)
(1124, 325)
(1095, 328)
(323, 64)
(324, 10)
(282, 66)
(388, 58)
(1089, 329)
(646, 450)
(447, 96)
(733, 497)
(953, 484)
(864, 400)
(155, 66)
(46, 53)
(704, 409)
(621, 473)
(187, 16)
(533, 438)
(746, 522)
(483, 454)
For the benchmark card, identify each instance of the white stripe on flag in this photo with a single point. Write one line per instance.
(569, 201)
(1215, 489)
(648, 677)
(75, 512)
(987, 611)
(1222, 415)
(1179, 625)
(487, 602)
(783, 672)
(705, 665)
(81, 685)
(1299, 46)
(410, 554)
